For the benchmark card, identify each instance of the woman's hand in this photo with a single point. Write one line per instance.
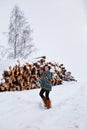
(47, 80)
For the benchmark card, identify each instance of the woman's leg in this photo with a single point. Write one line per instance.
(42, 92)
(42, 96)
(48, 102)
(47, 94)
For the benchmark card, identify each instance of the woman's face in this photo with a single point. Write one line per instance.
(46, 68)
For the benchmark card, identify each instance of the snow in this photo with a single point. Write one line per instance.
(60, 33)
(24, 110)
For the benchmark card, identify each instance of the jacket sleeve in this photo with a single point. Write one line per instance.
(39, 80)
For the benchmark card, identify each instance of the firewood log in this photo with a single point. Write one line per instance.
(25, 77)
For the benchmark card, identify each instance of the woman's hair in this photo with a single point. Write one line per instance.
(47, 66)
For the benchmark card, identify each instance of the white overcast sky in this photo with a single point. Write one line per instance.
(60, 29)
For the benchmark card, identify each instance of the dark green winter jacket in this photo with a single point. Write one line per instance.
(45, 80)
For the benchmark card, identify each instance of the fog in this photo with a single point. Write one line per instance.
(59, 30)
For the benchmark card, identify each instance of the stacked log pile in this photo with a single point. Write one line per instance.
(24, 77)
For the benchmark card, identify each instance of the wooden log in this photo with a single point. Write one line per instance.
(2, 88)
(25, 76)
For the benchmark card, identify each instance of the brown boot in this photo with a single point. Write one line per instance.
(48, 103)
(44, 100)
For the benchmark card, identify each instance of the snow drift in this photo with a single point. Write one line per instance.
(24, 110)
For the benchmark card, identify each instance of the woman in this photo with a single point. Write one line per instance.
(46, 86)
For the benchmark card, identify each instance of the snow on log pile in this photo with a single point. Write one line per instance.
(24, 77)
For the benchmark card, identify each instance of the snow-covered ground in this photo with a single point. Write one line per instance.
(24, 110)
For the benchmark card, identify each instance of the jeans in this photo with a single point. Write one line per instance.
(42, 91)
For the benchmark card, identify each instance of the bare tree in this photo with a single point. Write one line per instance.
(20, 39)
(3, 52)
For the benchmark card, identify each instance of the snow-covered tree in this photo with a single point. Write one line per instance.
(2, 52)
(20, 39)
